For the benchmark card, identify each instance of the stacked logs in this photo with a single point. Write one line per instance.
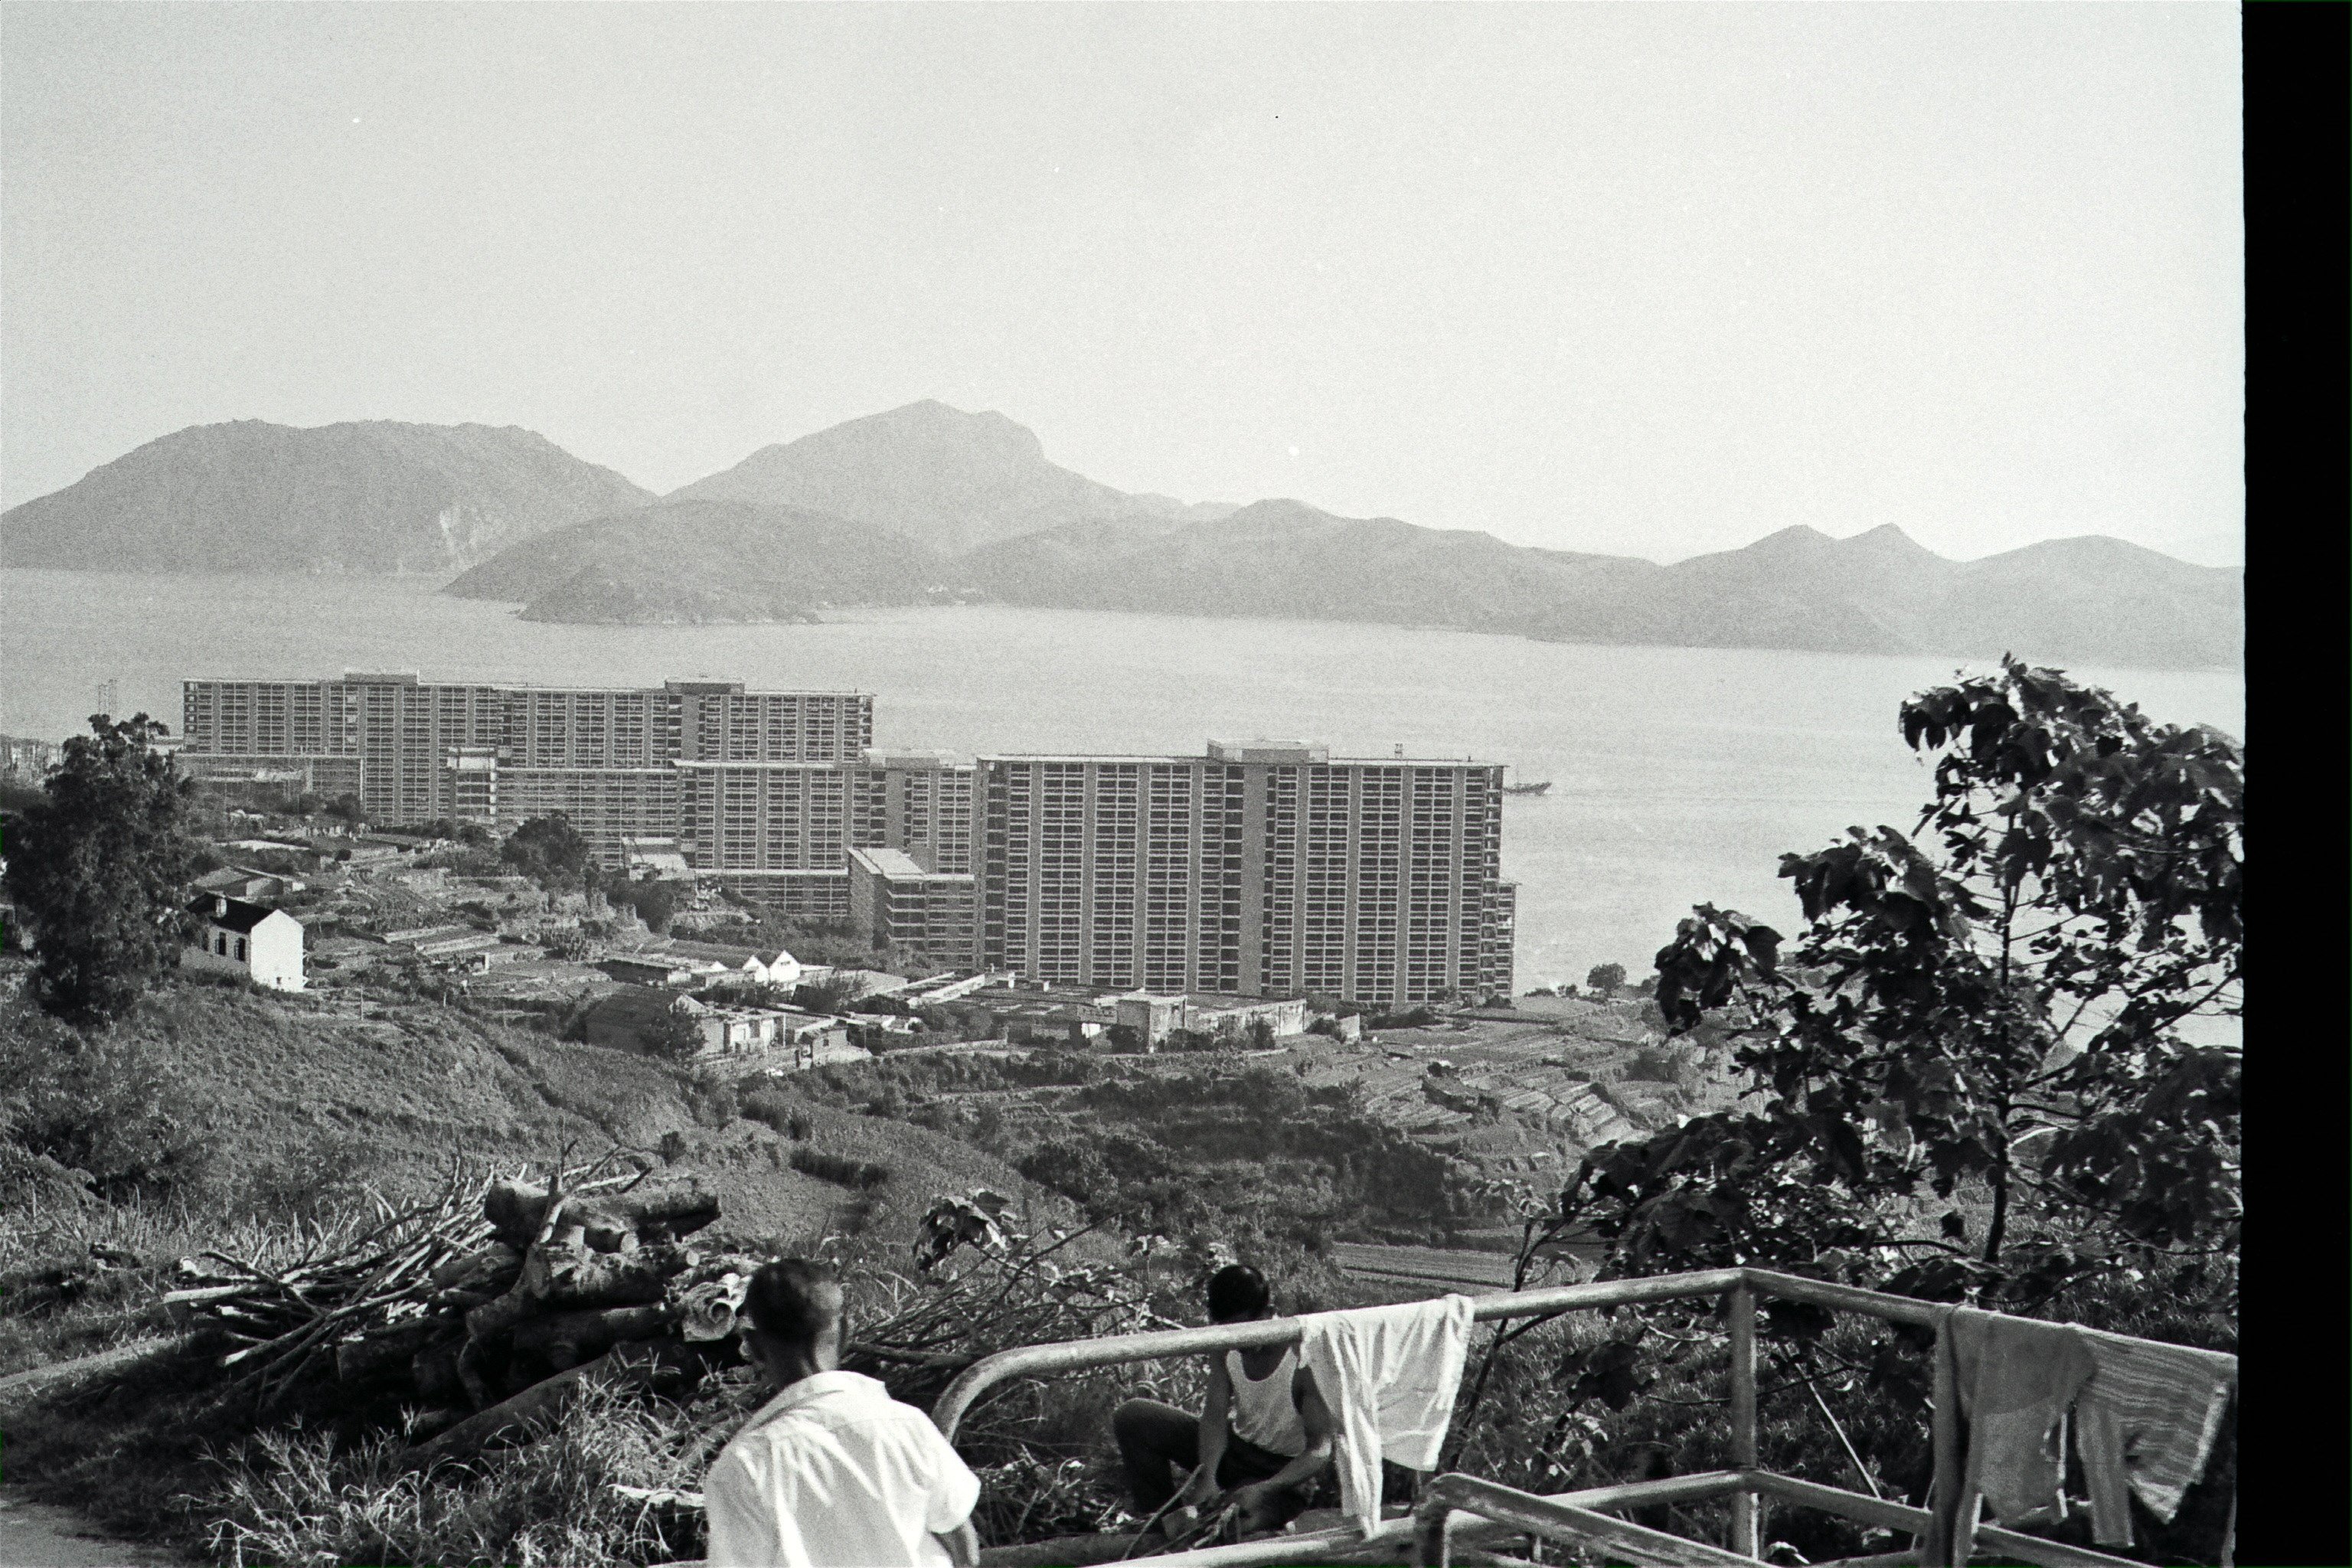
(490, 1307)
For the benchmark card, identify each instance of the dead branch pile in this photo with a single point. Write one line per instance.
(489, 1305)
(1016, 1287)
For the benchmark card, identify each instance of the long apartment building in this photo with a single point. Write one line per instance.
(1267, 869)
(758, 783)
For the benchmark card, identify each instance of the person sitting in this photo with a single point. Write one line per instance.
(832, 1472)
(1258, 1444)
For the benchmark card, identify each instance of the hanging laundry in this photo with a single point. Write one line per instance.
(2145, 1423)
(1388, 1375)
(2015, 1378)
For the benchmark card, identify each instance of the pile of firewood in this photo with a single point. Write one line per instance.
(488, 1306)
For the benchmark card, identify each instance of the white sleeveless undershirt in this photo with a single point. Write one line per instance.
(1264, 1412)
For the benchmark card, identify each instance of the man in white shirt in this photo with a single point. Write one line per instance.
(833, 1472)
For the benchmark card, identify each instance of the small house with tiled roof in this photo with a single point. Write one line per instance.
(237, 937)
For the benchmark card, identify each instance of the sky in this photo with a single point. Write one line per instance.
(1649, 279)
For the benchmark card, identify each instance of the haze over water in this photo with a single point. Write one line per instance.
(1678, 775)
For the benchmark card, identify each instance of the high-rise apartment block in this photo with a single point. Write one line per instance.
(1267, 869)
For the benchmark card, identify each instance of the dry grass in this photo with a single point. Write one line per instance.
(303, 1497)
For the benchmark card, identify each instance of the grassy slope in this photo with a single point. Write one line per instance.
(395, 1095)
(300, 1098)
(299, 1103)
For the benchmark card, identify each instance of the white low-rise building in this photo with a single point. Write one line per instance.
(236, 937)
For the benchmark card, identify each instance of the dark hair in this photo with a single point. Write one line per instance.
(1237, 1290)
(794, 1300)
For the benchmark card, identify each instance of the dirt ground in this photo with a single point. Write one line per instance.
(37, 1535)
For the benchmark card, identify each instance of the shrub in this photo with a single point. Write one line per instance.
(99, 1104)
(778, 1111)
(858, 1175)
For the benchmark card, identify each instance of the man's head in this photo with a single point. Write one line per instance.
(795, 1307)
(1238, 1293)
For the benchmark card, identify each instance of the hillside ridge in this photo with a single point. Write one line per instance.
(374, 497)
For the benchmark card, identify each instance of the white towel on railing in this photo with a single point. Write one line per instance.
(1388, 1375)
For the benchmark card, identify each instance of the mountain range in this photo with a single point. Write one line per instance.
(929, 504)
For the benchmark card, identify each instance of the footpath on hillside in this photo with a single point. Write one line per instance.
(43, 1535)
(39, 1535)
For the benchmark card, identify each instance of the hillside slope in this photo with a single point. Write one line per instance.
(371, 497)
(938, 475)
(1285, 558)
(697, 560)
(2089, 599)
(293, 1094)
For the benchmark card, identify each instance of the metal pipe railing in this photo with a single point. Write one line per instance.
(1571, 1517)
(1746, 1523)
(1078, 1355)
(1741, 1286)
(1555, 1520)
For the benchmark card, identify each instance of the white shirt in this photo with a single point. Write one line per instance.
(1389, 1376)
(834, 1473)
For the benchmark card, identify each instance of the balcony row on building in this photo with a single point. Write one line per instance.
(1264, 869)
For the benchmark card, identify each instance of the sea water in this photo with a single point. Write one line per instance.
(1678, 775)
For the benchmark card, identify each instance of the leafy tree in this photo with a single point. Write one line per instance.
(100, 869)
(348, 808)
(1261, 1034)
(677, 1035)
(1989, 1008)
(550, 851)
(1605, 978)
(831, 994)
(655, 903)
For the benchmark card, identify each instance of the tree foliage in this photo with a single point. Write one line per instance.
(677, 1035)
(99, 1104)
(1605, 978)
(655, 903)
(100, 869)
(550, 851)
(1969, 1075)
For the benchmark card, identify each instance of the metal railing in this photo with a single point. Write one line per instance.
(1505, 1513)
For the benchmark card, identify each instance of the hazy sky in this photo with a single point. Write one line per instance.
(1651, 279)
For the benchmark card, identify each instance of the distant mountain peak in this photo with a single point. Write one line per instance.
(932, 418)
(939, 475)
(1795, 538)
(1887, 541)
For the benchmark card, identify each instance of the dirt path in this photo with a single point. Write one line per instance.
(42, 1535)
(37, 1535)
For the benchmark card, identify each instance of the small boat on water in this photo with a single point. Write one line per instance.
(1538, 787)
